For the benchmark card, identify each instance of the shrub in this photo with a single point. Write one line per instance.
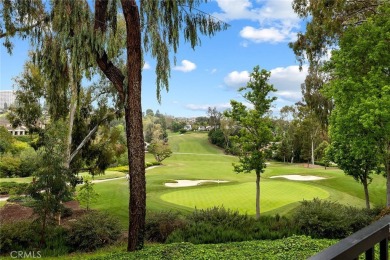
(18, 236)
(120, 168)
(326, 219)
(12, 188)
(220, 225)
(9, 166)
(268, 227)
(217, 137)
(28, 162)
(219, 216)
(93, 230)
(160, 225)
(182, 131)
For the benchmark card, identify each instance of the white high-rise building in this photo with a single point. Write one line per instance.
(7, 98)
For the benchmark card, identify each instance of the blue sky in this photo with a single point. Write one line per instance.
(210, 75)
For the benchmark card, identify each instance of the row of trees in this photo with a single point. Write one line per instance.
(349, 94)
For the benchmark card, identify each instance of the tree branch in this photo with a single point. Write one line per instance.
(21, 29)
(112, 72)
(86, 139)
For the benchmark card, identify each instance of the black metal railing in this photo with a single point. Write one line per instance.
(361, 242)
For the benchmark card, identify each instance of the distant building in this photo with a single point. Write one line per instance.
(21, 130)
(188, 127)
(7, 98)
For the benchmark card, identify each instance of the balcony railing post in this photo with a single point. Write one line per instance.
(384, 249)
(363, 241)
(370, 254)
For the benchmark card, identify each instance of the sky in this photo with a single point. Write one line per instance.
(210, 75)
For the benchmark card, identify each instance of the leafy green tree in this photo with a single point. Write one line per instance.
(354, 150)
(49, 187)
(327, 22)
(228, 129)
(6, 140)
(320, 151)
(214, 117)
(177, 125)
(29, 159)
(360, 124)
(27, 110)
(86, 194)
(310, 130)
(154, 25)
(255, 126)
(160, 150)
(9, 166)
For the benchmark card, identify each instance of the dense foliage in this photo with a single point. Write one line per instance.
(13, 188)
(220, 225)
(217, 138)
(92, 231)
(326, 219)
(24, 236)
(360, 122)
(295, 247)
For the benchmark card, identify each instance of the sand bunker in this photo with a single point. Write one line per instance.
(299, 177)
(188, 183)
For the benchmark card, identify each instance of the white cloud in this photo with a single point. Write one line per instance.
(237, 79)
(287, 81)
(276, 18)
(263, 34)
(186, 66)
(146, 66)
(205, 107)
(213, 71)
(235, 9)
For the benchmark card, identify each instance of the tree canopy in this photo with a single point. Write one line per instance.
(360, 88)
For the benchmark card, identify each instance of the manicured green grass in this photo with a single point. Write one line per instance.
(241, 197)
(194, 158)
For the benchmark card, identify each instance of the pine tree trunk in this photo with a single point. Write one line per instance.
(134, 131)
(257, 195)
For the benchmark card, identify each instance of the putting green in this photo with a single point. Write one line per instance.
(241, 197)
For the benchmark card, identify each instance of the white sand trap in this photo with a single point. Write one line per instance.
(188, 183)
(299, 177)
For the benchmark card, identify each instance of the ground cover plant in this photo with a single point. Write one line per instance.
(295, 247)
